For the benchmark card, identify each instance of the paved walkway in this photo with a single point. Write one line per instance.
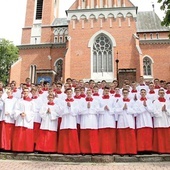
(33, 165)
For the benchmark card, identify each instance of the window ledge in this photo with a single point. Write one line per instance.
(148, 77)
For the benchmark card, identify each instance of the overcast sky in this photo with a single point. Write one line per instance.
(12, 15)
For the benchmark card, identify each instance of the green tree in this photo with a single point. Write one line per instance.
(165, 6)
(8, 55)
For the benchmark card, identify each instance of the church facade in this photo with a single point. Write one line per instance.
(99, 39)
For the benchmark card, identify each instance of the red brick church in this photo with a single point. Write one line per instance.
(87, 44)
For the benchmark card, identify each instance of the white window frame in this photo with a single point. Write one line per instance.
(99, 76)
(152, 62)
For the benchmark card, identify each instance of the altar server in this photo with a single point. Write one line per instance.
(68, 136)
(47, 138)
(89, 141)
(37, 105)
(23, 136)
(161, 111)
(126, 138)
(144, 125)
(107, 124)
(8, 121)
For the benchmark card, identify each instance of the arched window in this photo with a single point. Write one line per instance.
(59, 69)
(147, 66)
(102, 54)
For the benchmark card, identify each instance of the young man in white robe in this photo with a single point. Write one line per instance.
(142, 84)
(107, 123)
(58, 92)
(126, 136)
(161, 112)
(152, 94)
(8, 121)
(37, 105)
(47, 138)
(112, 89)
(77, 98)
(89, 140)
(144, 124)
(134, 93)
(16, 92)
(117, 94)
(68, 142)
(23, 136)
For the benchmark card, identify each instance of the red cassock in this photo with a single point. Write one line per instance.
(36, 131)
(144, 139)
(68, 142)
(89, 141)
(161, 140)
(59, 123)
(6, 135)
(126, 141)
(23, 139)
(46, 141)
(107, 140)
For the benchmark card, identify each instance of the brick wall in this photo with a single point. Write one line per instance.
(80, 52)
(77, 62)
(39, 57)
(160, 55)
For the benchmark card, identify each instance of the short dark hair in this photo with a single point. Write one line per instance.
(143, 90)
(69, 89)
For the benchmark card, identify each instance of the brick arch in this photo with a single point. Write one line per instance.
(129, 14)
(57, 61)
(119, 15)
(101, 16)
(59, 73)
(92, 16)
(110, 15)
(74, 17)
(90, 44)
(83, 17)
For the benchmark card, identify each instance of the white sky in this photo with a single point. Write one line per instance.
(12, 15)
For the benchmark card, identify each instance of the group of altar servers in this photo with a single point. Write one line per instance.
(47, 120)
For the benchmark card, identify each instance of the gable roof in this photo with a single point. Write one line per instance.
(60, 22)
(149, 21)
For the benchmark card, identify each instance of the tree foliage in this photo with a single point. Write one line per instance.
(8, 55)
(165, 6)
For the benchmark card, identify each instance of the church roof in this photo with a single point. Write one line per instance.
(149, 21)
(60, 22)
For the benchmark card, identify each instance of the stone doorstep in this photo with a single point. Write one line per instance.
(84, 158)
